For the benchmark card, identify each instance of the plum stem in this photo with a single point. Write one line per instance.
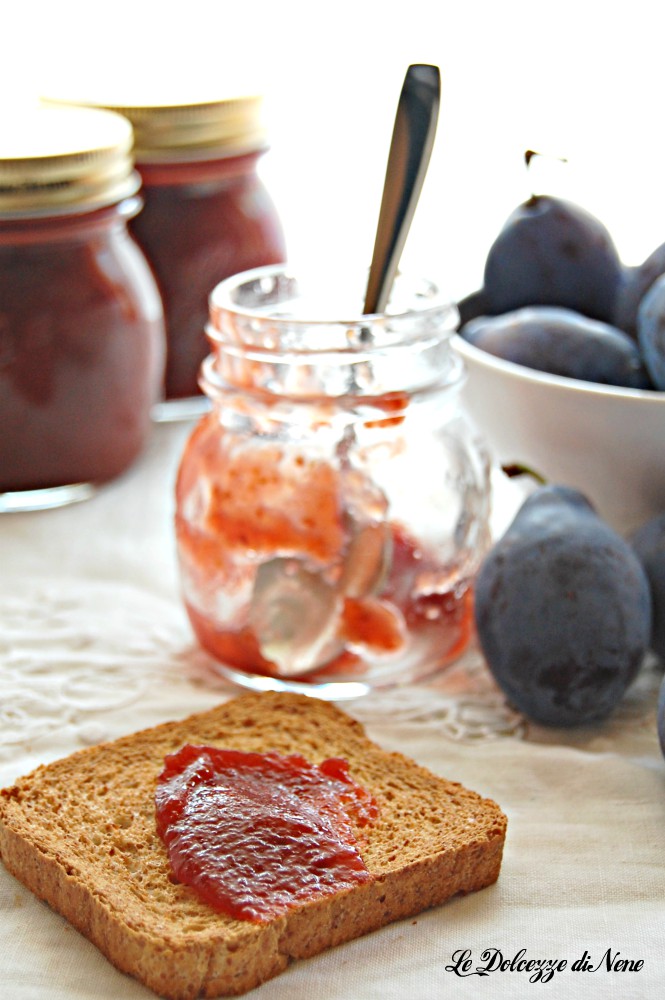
(529, 154)
(514, 470)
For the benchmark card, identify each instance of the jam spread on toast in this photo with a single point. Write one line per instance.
(256, 834)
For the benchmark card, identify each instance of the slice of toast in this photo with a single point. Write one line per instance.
(80, 833)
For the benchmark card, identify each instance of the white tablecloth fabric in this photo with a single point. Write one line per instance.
(94, 644)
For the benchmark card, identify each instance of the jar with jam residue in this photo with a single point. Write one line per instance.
(81, 320)
(332, 508)
(207, 215)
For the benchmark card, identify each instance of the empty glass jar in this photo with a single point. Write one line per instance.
(332, 508)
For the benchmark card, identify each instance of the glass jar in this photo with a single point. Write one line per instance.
(206, 215)
(332, 508)
(81, 322)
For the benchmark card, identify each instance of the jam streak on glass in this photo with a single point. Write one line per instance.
(316, 581)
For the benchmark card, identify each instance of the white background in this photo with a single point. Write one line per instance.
(582, 80)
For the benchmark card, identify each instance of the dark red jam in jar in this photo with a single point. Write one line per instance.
(256, 834)
(207, 215)
(81, 321)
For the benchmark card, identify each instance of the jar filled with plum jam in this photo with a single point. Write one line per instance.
(81, 320)
(207, 215)
(332, 507)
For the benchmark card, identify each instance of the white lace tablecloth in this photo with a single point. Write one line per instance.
(94, 644)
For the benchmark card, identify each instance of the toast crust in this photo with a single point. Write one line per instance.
(80, 833)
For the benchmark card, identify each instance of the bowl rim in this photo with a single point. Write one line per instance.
(521, 372)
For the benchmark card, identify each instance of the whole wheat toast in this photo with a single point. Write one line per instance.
(80, 833)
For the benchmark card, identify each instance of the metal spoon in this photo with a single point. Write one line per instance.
(410, 151)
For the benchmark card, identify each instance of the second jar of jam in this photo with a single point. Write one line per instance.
(332, 508)
(81, 323)
(207, 215)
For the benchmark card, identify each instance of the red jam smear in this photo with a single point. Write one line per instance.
(252, 503)
(257, 834)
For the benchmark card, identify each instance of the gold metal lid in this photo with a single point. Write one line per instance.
(59, 160)
(186, 130)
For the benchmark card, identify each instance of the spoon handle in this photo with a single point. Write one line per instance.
(410, 150)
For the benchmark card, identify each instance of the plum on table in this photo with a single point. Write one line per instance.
(563, 610)
(649, 544)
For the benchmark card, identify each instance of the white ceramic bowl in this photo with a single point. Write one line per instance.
(607, 441)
